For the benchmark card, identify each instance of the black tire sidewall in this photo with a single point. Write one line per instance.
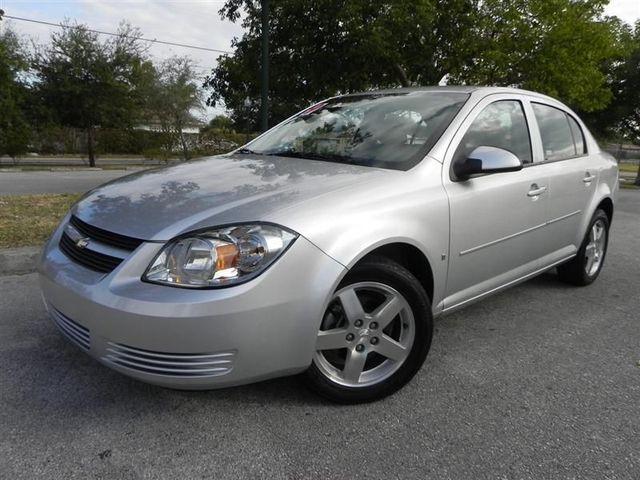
(574, 272)
(382, 270)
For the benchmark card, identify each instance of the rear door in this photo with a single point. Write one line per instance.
(573, 175)
(497, 220)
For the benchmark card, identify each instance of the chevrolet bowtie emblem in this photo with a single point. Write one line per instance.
(76, 237)
(82, 242)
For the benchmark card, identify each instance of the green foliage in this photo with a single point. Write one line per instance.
(554, 47)
(14, 125)
(126, 141)
(87, 83)
(620, 121)
(327, 47)
(219, 123)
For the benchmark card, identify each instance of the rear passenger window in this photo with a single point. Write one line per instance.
(562, 137)
(501, 124)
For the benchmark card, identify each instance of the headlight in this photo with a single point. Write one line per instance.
(219, 257)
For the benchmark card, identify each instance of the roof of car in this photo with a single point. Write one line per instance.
(468, 89)
(447, 88)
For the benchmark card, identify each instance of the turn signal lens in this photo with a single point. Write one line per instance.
(219, 257)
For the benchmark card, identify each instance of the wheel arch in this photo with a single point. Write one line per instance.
(409, 256)
(606, 204)
(603, 198)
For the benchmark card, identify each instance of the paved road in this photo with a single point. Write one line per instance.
(18, 183)
(541, 381)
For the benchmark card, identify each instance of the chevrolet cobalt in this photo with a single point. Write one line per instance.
(327, 245)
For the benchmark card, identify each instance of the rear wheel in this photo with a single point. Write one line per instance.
(374, 336)
(585, 267)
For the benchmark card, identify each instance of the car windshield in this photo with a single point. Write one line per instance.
(385, 130)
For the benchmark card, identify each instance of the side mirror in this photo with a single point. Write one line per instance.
(486, 160)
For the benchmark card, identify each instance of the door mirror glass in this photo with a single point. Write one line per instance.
(484, 159)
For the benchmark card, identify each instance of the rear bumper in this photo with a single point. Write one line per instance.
(192, 339)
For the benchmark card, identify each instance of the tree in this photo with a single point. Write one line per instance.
(341, 46)
(221, 123)
(89, 84)
(14, 126)
(555, 47)
(624, 111)
(175, 98)
(552, 46)
(620, 120)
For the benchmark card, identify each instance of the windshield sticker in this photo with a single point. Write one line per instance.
(313, 108)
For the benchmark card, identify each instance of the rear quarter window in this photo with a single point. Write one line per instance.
(578, 136)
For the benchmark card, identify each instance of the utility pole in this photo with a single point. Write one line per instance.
(264, 81)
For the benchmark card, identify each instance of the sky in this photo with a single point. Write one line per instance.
(194, 22)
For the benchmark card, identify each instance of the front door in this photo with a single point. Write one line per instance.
(496, 221)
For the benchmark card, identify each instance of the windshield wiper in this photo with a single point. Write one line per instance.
(246, 151)
(327, 157)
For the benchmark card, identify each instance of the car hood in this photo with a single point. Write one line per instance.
(162, 203)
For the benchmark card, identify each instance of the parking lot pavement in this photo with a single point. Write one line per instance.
(541, 381)
(79, 181)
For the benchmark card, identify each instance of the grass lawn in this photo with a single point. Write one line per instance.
(30, 219)
(627, 167)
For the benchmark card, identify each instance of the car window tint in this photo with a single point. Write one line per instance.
(578, 136)
(501, 124)
(557, 139)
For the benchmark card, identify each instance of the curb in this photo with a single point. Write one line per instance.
(18, 261)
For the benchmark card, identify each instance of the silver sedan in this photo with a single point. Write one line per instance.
(327, 245)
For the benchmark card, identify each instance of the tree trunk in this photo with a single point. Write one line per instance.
(185, 148)
(402, 75)
(264, 67)
(90, 152)
(637, 182)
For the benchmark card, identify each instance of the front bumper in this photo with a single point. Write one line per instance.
(192, 339)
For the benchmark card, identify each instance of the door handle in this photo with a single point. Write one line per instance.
(588, 178)
(536, 191)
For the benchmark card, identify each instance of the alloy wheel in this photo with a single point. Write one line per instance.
(594, 251)
(366, 335)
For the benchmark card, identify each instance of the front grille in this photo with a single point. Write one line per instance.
(170, 364)
(89, 258)
(100, 262)
(75, 333)
(104, 236)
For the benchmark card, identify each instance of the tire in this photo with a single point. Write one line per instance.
(394, 347)
(579, 271)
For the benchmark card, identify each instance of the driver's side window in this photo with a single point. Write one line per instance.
(501, 124)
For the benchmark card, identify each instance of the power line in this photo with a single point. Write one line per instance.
(100, 32)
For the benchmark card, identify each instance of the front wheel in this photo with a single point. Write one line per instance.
(374, 336)
(585, 267)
